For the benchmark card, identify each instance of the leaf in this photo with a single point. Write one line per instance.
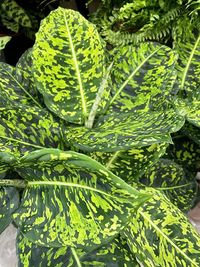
(9, 201)
(68, 64)
(72, 200)
(116, 253)
(16, 86)
(125, 131)
(3, 41)
(186, 153)
(162, 234)
(13, 11)
(176, 183)
(192, 132)
(188, 63)
(142, 77)
(24, 128)
(6, 161)
(130, 164)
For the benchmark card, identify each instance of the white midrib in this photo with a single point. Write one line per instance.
(132, 74)
(189, 62)
(166, 237)
(84, 107)
(112, 159)
(76, 257)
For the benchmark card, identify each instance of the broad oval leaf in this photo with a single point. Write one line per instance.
(72, 200)
(68, 64)
(124, 131)
(160, 233)
(116, 253)
(175, 182)
(142, 77)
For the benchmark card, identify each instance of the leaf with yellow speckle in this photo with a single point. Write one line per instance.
(192, 132)
(72, 200)
(178, 184)
(130, 164)
(124, 131)
(161, 234)
(68, 64)
(3, 41)
(115, 253)
(9, 201)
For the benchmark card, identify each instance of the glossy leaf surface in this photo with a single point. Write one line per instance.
(124, 131)
(68, 63)
(72, 200)
(162, 234)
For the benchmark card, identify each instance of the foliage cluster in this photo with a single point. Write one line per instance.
(99, 148)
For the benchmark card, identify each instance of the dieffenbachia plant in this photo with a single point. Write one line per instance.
(79, 128)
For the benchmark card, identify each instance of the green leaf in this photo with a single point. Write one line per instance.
(176, 183)
(13, 11)
(192, 132)
(116, 253)
(130, 164)
(160, 233)
(72, 200)
(142, 77)
(188, 63)
(68, 64)
(3, 41)
(125, 131)
(24, 128)
(16, 85)
(186, 153)
(9, 201)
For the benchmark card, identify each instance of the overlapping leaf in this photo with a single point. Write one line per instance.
(142, 77)
(72, 200)
(9, 201)
(68, 64)
(160, 233)
(24, 128)
(192, 132)
(130, 164)
(3, 41)
(176, 183)
(124, 131)
(116, 253)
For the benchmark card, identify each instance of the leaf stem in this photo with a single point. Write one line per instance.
(15, 183)
(91, 117)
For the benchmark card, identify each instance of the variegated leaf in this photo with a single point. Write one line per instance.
(9, 201)
(16, 85)
(72, 200)
(124, 131)
(176, 183)
(188, 63)
(116, 253)
(6, 161)
(142, 77)
(162, 235)
(186, 153)
(3, 41)
(68, 64)
(12, 10)
(25, 128)
(130, 164)
(192, 132)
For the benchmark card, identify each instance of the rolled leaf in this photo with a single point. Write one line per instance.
(176, 183)
(68, 64)
(72, 200)
(124, 131)
(160, 233)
